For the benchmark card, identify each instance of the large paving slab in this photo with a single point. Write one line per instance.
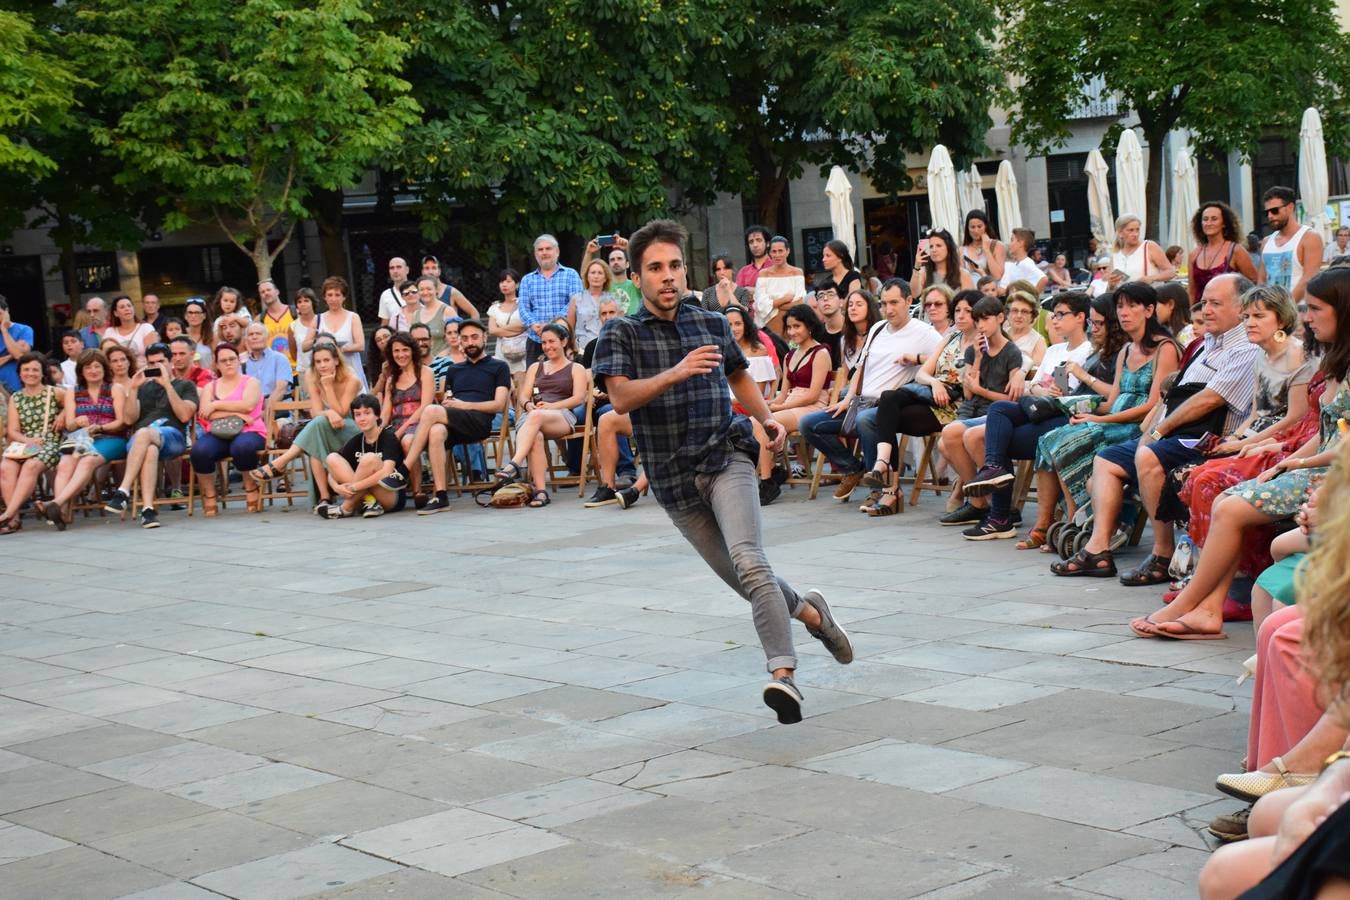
(564, 703)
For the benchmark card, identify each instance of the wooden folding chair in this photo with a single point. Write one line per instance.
(271, 490)
(808, 477)
(818, 474)
(1024, 483)
(925, 476)
(498, 444)
(585, 432)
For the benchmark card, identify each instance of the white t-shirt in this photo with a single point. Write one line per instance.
(1056, 354)
(1022, 270)
(391, 303)
(884, 371)
(68, 373)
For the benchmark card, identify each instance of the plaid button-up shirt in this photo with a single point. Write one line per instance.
(544, 299)
(690, 428)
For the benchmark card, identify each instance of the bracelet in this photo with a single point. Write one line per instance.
(1335, 758)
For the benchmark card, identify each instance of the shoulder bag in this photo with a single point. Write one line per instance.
(856, 401)
(30, 449)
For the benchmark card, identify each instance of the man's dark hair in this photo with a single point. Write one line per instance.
(65, 333)
(183, 339)
(1077, 301)
(471, 323)
(749, 231)
(158, 348)
(663, 231)
(906, 290)
(366, 401)
(823, 283)
(1279, 192)
(422, 325)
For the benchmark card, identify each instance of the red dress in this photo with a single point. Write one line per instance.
(1208, 480)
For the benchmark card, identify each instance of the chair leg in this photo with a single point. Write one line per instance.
(920, 474)
(582, 472)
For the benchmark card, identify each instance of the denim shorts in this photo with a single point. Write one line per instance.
(172, 443)
(1169, 451)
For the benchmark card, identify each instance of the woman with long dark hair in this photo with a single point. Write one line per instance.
(410, 389)
(837, 262)
(780, 285)
(981, 250)
(805, 385)
(861, 312)
(1064, 456)
(724, 291)
(939, 262)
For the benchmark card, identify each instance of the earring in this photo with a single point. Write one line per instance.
(1281, 337)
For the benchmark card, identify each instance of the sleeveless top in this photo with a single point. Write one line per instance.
(437, 325)
(278, 333)
(1204, 276)
(1135, 386)
(100, 411)
(343, 336)
(1281, 260)
(1270, 396)
(134, 342)
(1134, 265)
(253, 421)
(800, 377)
(404, 402)
(301, 332)
(554, 387)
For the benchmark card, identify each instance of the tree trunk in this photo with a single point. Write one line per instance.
(262, 258)
(68, 266)
(326, 206)
(1153, 185)
(769, 189)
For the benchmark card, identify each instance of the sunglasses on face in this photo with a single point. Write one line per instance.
(936, 304)
(1274, 209)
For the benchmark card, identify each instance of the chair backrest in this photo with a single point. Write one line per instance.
(840, 379)
(293, 408)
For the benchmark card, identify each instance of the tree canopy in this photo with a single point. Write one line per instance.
(241, 110)
(1227, 72)
(38, 88)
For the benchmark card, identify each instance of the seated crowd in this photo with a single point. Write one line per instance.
(1226, 444)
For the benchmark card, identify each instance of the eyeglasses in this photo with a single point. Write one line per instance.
(1274, 209)
(1019, 311)
(935, 304)
(1059, 315)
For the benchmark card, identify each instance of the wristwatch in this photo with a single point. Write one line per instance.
(1155, 435)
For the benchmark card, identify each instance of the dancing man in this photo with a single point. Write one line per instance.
(669, 365)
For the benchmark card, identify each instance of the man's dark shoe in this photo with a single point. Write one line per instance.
(847, 486)
(394, 481)
(965, 514)
(989, 530)
(988, 480)
(627, 497)
(782, 696)
(830, 633)
(1231, 827)
(433, 506)
(603, 496)
(117, 501)
(149, 518)
(769, 491)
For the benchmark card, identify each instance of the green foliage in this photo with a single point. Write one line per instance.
(1227, 71)
(239, 110)
(37, 87)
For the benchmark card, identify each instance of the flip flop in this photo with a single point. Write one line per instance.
(1139, 629)
(1189, 634)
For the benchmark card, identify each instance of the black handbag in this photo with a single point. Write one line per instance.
(1212, 422)
(1040, 409)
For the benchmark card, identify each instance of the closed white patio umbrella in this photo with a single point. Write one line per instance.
(1005, 192)
(840, 192)
(942, 201)
(1130, 177)
(1185, 198)
(1102, 220)
(968, 187)
(1312, 174)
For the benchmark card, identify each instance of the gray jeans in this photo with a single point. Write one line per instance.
(725, 531)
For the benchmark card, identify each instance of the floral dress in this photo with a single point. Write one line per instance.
(1069, 449)
(37, 415)
(1281, 497)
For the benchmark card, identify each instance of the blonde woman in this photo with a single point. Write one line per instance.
(583, 308)
(1140, 259)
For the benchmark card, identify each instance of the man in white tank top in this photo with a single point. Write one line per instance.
(1293, 254)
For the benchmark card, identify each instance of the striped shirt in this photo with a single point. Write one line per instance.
(1226, 364)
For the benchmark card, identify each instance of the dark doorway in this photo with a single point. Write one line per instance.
(21, 283)
(1067, 192)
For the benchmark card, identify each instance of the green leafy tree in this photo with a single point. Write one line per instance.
(574, 116)
(854, 83)
(240, 111)
(36, 86)
(1228, 72)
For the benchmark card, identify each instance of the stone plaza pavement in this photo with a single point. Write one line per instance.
(565, 703)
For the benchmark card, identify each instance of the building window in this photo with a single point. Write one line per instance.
(1067, 191)
(176, 273)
